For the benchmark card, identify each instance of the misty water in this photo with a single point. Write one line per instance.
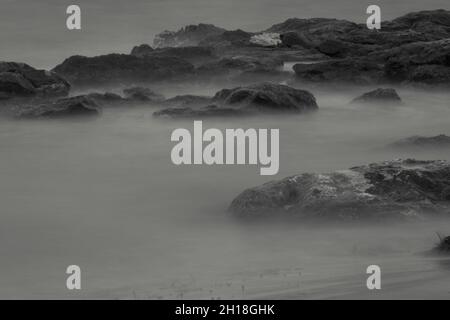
(104, 195)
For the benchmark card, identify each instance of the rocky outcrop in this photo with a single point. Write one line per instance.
(74, 107)
(268, 97)
(439, 141)
(381, 95)
(122, 69)
(188, 36)
(19, 80)
(393, 189)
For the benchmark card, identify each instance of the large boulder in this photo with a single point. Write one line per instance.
(380, 95)
(73, 107)
(21, 80)
(391, 189)
(268, 97)
(122, 68)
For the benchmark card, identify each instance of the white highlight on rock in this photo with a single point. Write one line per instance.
(266, 39)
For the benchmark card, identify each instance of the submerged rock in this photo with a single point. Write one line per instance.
(122, 68)
(107, 99)
(79, 106)
(380, 95)
(18, 80)
(439, 141)
(204, 112)
(187, 101)
(142, 94)
(391, 189)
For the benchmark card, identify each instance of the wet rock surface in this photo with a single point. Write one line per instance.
(399, 189)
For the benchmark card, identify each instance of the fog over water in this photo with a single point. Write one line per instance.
(104, 195)
(35, 32)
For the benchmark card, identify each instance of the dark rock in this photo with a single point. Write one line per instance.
(142, 50)
(79, 106)
(14, 84)
(205, 112)
(188, 36)
(440, 141)
(392, 189)
(122, 68)
(268, 97)
(293, 39)
(333, 48)
(380, 95)
(142, 94)
(21, 80)
(354, 71)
